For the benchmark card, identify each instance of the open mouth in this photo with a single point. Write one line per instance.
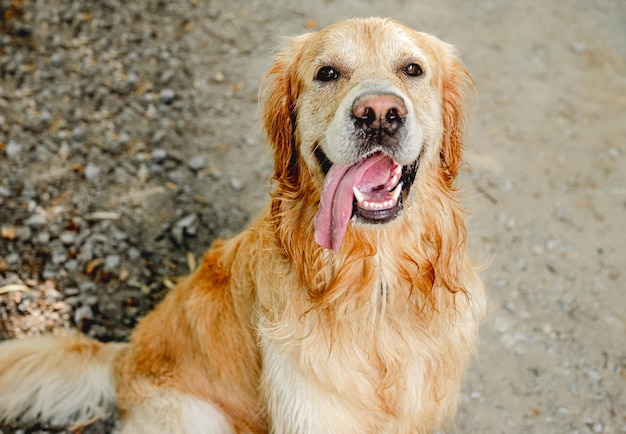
(378, 197)
(372, 191)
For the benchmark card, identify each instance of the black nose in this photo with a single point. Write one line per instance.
(379, 114)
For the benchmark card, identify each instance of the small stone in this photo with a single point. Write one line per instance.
(132, 78)
(71, 291)
(13, 259)
(43, 237)
(131, 311)
(59, 257)
(197, 163)
(82, 314)
(30, 192)
(475, 394)
(178, 177)
(578, 47)
(124, 138)
(52, 295)
(134, 254)
(117, 234)
(24, 233)
(237, 184)
(71, 265)
(159, 155)
(91, 300)
(67, 237)
(78, 134)
(92, 171)
(87, 286)
(187, 221)
(45, 115)
(186, 225)
(13, 150)
(166, 96)
(615, 152)
(56, 60)
(112, 262)
(501, 283)
(595, 426)
(159, 135)
(36, 220)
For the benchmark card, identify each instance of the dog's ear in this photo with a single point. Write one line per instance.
(279, 91)
(457, 87)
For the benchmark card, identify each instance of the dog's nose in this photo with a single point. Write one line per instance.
(379, 113)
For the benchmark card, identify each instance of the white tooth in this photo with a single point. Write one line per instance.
(398, 169)
(396, 193)
(359, 196)
(394, 179)
(365, 204)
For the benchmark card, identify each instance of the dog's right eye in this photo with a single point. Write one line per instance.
(327, 73)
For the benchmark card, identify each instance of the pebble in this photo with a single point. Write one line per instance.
(56, 60)
(13, 150)
(133, 254)
(187, 221)
(197, 163)
(166, 96)
(112, 262)
(71, 291)
(159, 155)
(187, 225)
(12, 259)
(36, 221)
(78, 134)
(59, 256)
(595, 426)
(178, 177)
(71, 265)
(67, 237)
(578, 47)
(24, 233)
(124, 138)
(92, 171)
(82, 314)
(237, 184)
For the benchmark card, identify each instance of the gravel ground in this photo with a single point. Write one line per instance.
(130, 139)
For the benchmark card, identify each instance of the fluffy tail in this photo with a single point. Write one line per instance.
(57, 380)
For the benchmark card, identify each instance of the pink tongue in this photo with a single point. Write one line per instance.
(335, 211)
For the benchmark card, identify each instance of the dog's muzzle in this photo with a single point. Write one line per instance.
(374, 188)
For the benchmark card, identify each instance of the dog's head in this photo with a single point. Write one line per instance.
(363, 110)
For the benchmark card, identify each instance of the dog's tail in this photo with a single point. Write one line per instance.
(57, 380)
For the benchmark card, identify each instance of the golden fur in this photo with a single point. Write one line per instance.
(274, 333)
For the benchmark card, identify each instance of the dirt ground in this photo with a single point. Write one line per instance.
(130, 138)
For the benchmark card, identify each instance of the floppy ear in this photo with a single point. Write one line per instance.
(457, 85)
(279, 111)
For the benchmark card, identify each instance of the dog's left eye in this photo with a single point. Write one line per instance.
(327, 73)
(413, 70)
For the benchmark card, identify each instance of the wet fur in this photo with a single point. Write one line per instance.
(273, 333)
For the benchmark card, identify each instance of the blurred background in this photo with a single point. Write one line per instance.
(130, 139)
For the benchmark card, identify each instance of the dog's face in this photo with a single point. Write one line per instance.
(369, 104)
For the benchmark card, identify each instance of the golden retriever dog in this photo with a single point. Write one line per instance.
(349, 305)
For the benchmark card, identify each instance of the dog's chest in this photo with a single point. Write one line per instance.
(365, 376)
(384, 361)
